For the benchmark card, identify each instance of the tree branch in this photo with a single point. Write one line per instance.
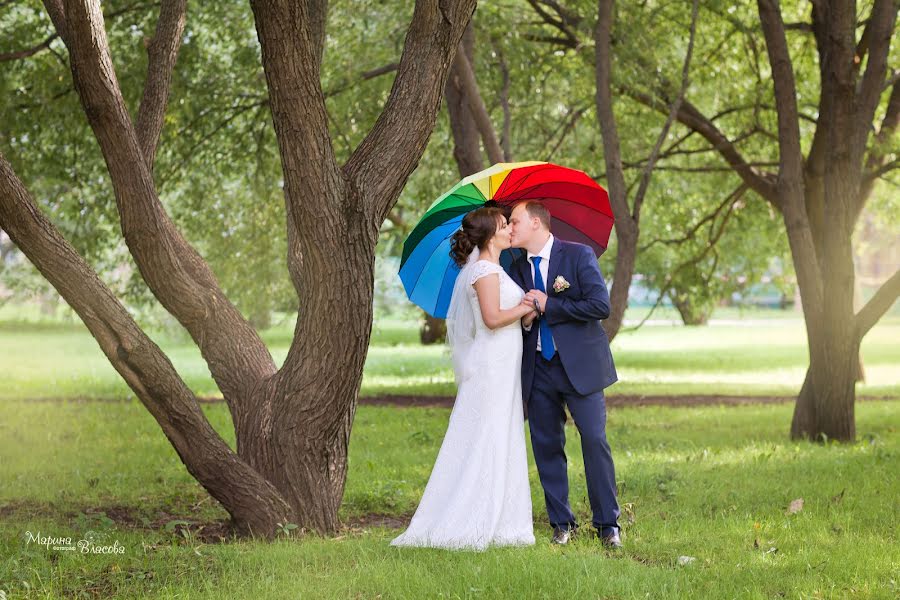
(729, 202)
(506, 135)
(364, 76)
(381, 164)
(466, 138)
(291, 61)
(881, 24)
(174, 271)
(875, 165)
(140, 362)
(878, 305)
(163, 52)
(790, 171)
(710, 246)
(463, 68)
(689, 116)
(565, 21)
(567, 127)
(26, 52)
(615, 177)
(57, 15)
(670, 118)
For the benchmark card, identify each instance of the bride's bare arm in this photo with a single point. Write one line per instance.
(488, 290)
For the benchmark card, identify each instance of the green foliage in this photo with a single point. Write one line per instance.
(218, 168)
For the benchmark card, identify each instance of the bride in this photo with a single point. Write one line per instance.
(478, 493)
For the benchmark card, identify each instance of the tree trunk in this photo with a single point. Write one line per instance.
(626, 255)
(334, 213)
(292, 424)
(691, 314)
(433, 330)
(626, 227)
(466, 146)
(627, 218)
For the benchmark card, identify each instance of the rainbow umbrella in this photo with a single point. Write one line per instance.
(579, 210)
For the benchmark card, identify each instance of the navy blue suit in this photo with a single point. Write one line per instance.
(575, 377)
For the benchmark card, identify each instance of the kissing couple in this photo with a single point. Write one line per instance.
(525, 344)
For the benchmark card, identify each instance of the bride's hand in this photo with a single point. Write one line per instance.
(530, 315)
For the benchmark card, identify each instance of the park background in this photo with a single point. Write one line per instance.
(710, 340)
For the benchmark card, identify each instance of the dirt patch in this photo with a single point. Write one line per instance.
(612, 401)
(188, 527)
(378, 520)
(122, 517)
(160, 520)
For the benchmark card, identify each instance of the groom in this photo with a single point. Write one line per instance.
(566, 361)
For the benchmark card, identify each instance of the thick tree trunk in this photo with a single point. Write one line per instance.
(314, 398)
(306, 411)
(820, 223)
(292, 425)
(254, 504)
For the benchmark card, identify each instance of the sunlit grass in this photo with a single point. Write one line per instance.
(712, 484)
(756, 357)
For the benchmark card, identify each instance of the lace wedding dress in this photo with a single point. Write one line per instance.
(478, 493)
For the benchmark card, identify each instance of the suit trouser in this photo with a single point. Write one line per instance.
(546, 417)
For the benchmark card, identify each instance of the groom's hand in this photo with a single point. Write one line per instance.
(538, 295)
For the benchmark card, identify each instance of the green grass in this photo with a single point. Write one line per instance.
(711, 483)
(761, 355)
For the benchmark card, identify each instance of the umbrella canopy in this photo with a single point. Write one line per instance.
(579, 210)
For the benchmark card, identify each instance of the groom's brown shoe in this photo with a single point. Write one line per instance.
(562, 536)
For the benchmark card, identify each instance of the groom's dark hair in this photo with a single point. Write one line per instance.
(537, 209)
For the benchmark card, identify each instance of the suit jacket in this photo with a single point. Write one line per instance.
(574, 316)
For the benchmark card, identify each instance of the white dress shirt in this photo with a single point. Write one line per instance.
(545, 271)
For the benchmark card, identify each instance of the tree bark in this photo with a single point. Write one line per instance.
(334, 213)
(820, 197)
(293, 424)
(254, 504)
(820, 220)
(627, 218)
(177, 275)
(691, 314)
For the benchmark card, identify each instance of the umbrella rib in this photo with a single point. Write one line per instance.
(585, 206)
(537, 169)
(576, 228)
(449, 264)
(581, 185)
(430, 256)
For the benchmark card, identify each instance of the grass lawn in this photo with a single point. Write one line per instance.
(748, 353)
(709, 483)
(708, 487)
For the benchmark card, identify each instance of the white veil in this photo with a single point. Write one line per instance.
(461, 322)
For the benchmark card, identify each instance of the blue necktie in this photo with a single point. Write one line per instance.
(547, 348)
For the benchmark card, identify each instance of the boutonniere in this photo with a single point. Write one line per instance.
(560, 284)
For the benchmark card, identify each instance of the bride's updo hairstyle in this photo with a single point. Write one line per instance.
(478, 227)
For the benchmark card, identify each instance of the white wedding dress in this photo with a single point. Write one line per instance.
(478, 493)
